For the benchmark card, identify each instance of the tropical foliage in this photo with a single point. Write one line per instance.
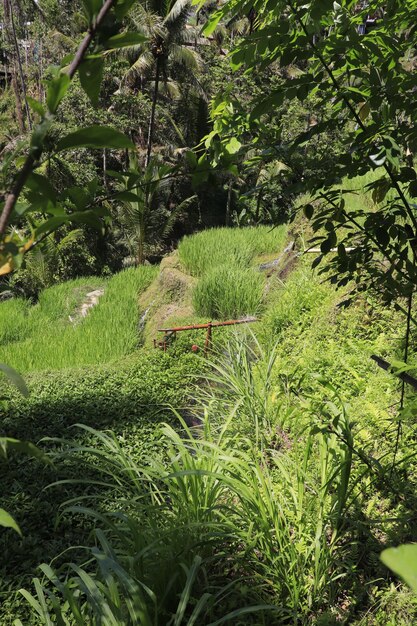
(251, 473)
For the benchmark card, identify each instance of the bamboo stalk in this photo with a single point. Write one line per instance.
(208, 325)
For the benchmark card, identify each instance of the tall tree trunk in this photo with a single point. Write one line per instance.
(141, 244)
(105, 168)
(258, 206)
(13, 43)
(19, 63)
(19, 110)
(152, 117)
(229, 202)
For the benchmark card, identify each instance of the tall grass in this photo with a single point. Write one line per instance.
(228, 291)
(20, 319)
(41, 336)
(154, 562)
(222, 257)
(215, 522)
(228, 247)
(242, 381)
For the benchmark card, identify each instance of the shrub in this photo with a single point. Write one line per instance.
(228, 291)
(297, 301)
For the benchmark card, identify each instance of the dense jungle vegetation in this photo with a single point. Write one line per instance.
(171, 163)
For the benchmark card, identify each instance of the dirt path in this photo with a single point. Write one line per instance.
(91, 300)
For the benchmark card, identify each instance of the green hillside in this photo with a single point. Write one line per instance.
(297, 437)
(246, 170)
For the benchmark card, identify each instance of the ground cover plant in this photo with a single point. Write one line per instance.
(286, 477)
(131, 396)
(268, 510)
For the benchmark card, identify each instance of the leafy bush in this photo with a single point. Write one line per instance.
(296, 302)
(228, 291)
(315, 337)
(227, 246)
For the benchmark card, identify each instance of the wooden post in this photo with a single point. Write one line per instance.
(171, 333)
(208, 338)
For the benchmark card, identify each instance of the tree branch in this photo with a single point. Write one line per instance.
(27, 167)
(352, 110)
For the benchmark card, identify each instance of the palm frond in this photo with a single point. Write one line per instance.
(238, 25)
(143, 64)
(179, 10)
(145, 21)
(170, 89)
(176, 213)
(72, 237)
(177, 129)
(177, 29)
(220, 33)
(186, 56)
(191, 35)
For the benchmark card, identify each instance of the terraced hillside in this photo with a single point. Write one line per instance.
(287, 485)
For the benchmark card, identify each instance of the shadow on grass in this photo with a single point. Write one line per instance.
(130, 398)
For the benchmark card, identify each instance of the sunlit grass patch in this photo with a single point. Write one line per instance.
(228, 247)
(52, 335)
(226, 292)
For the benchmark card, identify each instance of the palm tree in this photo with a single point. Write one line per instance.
(144, 204)
(170, 40)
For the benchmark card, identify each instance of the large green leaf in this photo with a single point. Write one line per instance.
(91, 75)
(95, 137)
(7, 521)
(41, 189)
(403, 562)
(8, 444)
(127, 196)
(57, 88)
(123, 40)
(36, 106)
(212, 23)
(233, 145)
(123, 7)
(51, 225)
(15, 378)
(92, 8)
(90, 217)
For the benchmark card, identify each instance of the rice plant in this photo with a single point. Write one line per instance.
(228, 247)
(228, 291)
(52, 335)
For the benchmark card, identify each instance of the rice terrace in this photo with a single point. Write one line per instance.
(208, 320)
